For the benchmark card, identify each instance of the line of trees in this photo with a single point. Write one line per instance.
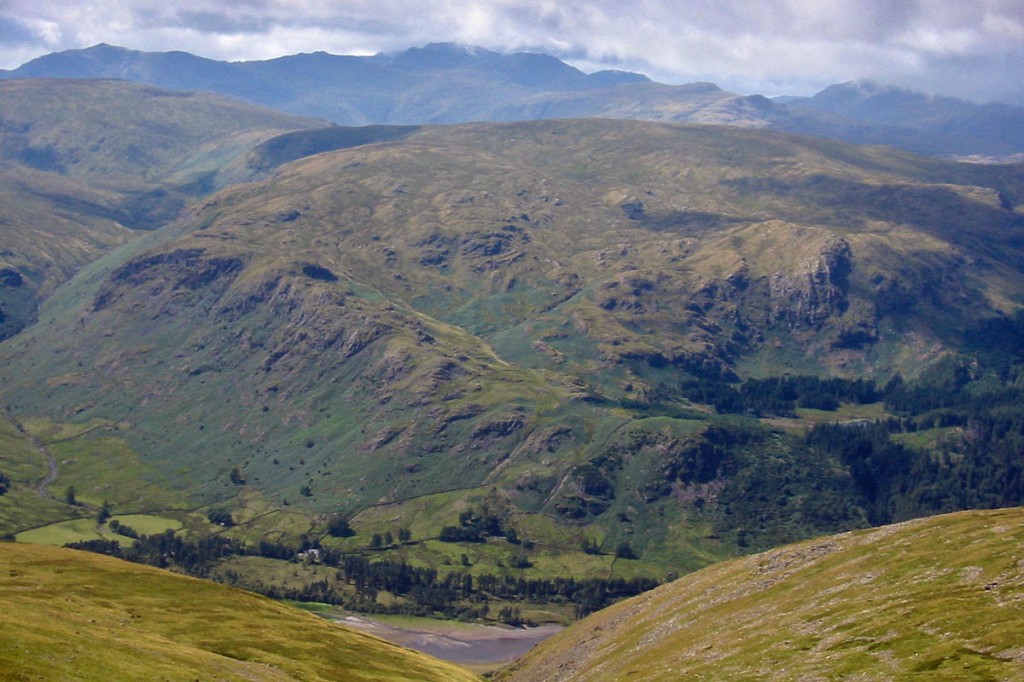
(779, 396)
(359, 580)
(980, 467)
(968, 452)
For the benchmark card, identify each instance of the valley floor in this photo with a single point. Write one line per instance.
(481, 648)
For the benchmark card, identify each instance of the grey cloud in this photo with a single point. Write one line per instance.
(212, 22)
(14, 33)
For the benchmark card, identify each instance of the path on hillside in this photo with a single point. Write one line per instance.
(44, 452)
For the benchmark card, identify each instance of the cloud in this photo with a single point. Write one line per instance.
(959, 47)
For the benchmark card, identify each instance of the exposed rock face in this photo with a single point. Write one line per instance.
(632, 208)
(188, 269)
(11, 278)
(319, 272)
(806, 297)
(499, 428)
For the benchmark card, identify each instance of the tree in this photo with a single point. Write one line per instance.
(236, 476)
(104, 513)
(5, 483)
(520, 561)
(69, 496)
(625, 551)
(376, 541)
(339, 528)
(511, 615)
(220, 517)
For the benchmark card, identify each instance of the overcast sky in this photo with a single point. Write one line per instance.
(965, 48)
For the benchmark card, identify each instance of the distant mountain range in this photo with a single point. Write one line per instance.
(445, 83)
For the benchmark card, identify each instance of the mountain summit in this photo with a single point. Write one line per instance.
(449, 83)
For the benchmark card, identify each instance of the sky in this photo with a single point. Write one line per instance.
(973, 49)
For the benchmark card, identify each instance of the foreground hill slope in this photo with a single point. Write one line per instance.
(505, 307)
(77, 616)
(936, 599)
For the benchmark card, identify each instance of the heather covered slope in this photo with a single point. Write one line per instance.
(84, 164)
(507, 312)
(933, 599)
(77, 616)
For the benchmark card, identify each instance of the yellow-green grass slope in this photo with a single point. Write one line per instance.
(939, 599)
(71, 615)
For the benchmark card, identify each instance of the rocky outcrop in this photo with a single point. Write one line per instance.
(815, 291)
(11, 278)
(186, 268)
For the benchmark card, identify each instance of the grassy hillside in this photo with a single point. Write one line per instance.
(77, 616)
(934, 599)
(85, 163)
(130, 137)
(513, 317)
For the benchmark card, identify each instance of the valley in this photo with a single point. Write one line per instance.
(482, 648)
(506, 373)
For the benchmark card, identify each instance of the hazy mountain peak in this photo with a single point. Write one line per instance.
(864, 89)
(449, 82)
(101, 47)
(441, 55)
(609, 77)
(702, 87)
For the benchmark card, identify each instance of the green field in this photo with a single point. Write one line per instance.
(80, 530)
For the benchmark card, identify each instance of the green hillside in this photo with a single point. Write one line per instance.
(128, 137)
(83, 164)
(77, 616)
(933, 599)
(514, 307)
(523, 345)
